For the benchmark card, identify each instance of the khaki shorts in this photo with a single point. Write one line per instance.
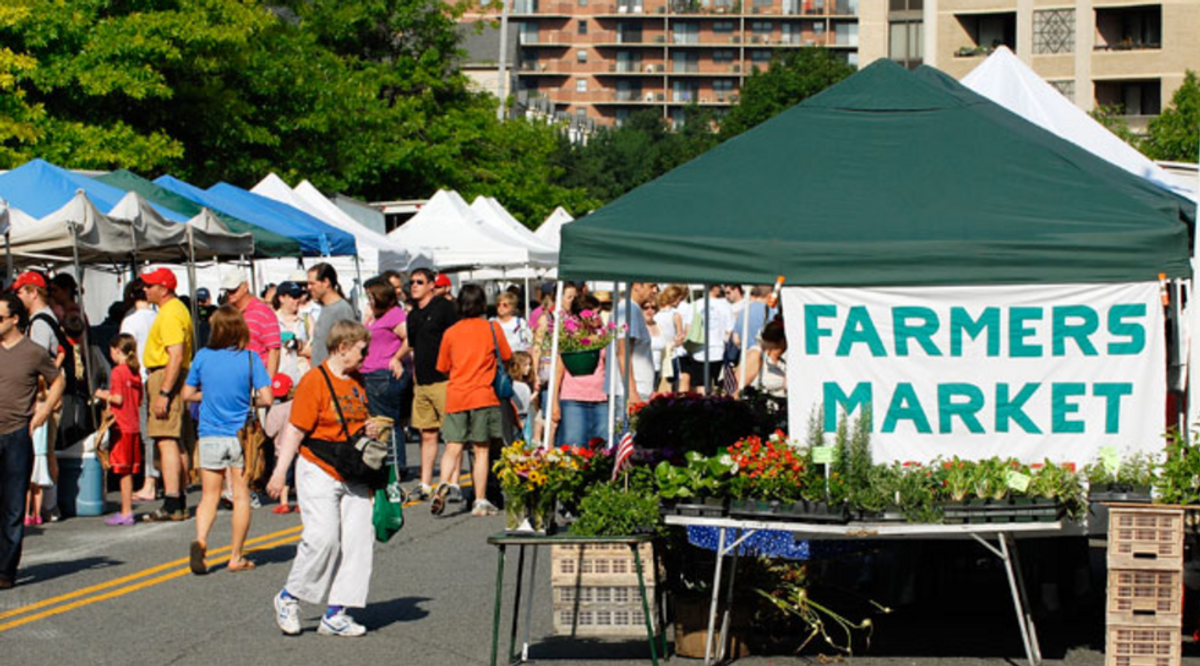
(171, 427)
(429, 406)
(477, 426)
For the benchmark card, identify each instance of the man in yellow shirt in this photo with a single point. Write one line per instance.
(167, 355)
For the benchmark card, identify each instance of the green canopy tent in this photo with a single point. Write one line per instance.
(889, 178)
(266, 243)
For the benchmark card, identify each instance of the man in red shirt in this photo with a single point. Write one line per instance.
(260, 318)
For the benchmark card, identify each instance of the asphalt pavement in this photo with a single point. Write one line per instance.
(92, 594)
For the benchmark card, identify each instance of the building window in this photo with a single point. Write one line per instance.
(583, 3)
(723, 55)
(583, 27)
(1066, 87)
(723, 26)
(987, 31)
(1133, 98)
(761, 27)
(906, 43)
(723, 85)
(581, 55)
(905, 5)
(1128, 28)
(1054, 31)
(581, 85)
(763, 3)
(760, 55)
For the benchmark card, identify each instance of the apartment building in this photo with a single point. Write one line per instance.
(1132, 54)
(605, 59)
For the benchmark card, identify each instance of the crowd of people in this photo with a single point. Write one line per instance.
(180, 392)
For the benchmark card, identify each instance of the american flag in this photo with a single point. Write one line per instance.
(729, 379)
(624, 452)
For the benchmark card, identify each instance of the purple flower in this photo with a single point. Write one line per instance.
(585, 341)
(571, 325)
(587, 314)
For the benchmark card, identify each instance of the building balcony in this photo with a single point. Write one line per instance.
(524, 8)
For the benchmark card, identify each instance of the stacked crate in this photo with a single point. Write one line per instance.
(1145, 586)
(595, 589)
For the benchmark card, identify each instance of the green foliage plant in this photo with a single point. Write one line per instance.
(608, 510)
(701, 477)
(1178, 479)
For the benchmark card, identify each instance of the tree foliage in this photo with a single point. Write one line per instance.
(1175, 134)
(792, 78)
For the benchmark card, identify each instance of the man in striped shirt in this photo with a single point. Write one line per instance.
(260, 318)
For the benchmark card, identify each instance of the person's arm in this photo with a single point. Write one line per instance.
(265, 397)
(396, 365)
(630, 382)
(42, 413)
(170, 376)
(752, 361)
(679, 332)
(289, 443)
(272, 361)
(191, 393)
(560, 372)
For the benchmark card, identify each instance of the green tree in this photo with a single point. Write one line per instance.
(1175, 134)
(792, 78)
(1114, 120)
(18, 120)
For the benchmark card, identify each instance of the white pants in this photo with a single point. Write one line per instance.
(337, 545)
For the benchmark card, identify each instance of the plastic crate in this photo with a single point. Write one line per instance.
(1145, 538)
(600, 621)
(1145, 597)
(600, 564)
(1143, 646)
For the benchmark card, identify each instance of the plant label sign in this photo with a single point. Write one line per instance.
(1031, 371)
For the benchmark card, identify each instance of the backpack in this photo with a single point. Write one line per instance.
(77, 420)
(70, 369)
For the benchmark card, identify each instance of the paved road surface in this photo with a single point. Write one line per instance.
(91, 594)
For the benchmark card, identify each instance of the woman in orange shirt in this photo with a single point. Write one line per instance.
(468, 357)
(335, 553)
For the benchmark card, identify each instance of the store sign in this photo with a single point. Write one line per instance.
(1031, 371)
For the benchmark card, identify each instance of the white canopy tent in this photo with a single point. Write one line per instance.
(494, 214)
(1007, 81)
(551, 230)
(390, 255)
(455, 237)
(161, 240)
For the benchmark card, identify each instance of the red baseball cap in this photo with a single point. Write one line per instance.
(442, 280)
(161, 276)
(29, 278)
(281, 385)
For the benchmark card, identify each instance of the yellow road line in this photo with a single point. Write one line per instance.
(134, 576)
(281, 537)
(135, 587)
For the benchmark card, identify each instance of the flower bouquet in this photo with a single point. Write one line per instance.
(532, 480)
(580, 340)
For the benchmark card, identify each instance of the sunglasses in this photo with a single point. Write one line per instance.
(420, 281)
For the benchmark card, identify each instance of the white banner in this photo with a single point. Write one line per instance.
(1029, 371)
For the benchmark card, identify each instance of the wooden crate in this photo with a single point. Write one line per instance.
(1143, 646)
(1145, 598)
(1145, 538)
(595, 589)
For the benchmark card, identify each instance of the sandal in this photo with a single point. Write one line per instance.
(438, 504)
(243, 565)
(196, 558)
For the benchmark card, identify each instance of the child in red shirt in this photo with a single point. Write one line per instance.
(124, 397)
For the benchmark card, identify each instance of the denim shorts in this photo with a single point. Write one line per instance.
(217, 453)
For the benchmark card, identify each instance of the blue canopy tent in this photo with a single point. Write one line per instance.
(39, 188)
(315, 237)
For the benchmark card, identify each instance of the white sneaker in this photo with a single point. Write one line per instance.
(484, 508)
(254, 501)
(287, 615)
(340, 625)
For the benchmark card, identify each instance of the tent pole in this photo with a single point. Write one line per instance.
(358, 287)
(525, 299)
(253, 277)
(628, 350)
(707, 291)
(8, 256)
(85, 355)
(609, 367)
(192, 286)
(745, 341)
(549, 399)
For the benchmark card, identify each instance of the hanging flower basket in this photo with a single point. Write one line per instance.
(581, 363)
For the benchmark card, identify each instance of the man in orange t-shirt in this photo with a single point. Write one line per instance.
(468, 355)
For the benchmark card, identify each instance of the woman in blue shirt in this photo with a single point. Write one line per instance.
(223, 377)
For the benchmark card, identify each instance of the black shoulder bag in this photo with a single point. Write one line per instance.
(358, 459)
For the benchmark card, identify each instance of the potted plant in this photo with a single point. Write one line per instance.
(531, 478)
(609, 510)
(768, 474)
(1127, 480)
(580, 340)
(695, 489)
(957, 479)
(1055, 490)
(915, 488)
